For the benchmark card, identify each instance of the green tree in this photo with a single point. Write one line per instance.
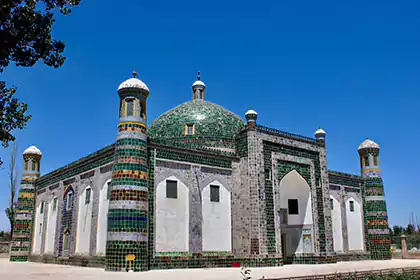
(25, 38)
(410, 229)
(13, 185)
(398, 230)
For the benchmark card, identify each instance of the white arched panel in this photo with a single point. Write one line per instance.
(102, 230)
(336, 224)
(294, 186)
(51, 226)
(354, 225)
(172, 218)
(299, 236)
(217, 229)
(39, 226)
(84, 222)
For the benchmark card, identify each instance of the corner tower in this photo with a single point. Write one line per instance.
(128, 217)
(25, 208)
(378, 241)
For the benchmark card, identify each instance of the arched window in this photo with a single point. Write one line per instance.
(109, 190)
(88, 194)
(130, 107)
(69, 201)
(375, 160)
(366, 160)
(55, 203)
(142, 109)
(41, 210)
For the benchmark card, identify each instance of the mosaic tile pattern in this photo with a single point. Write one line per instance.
(128, 226)
(268, 149)
(214, 126)
(25, 211)
(66, 236)
(378, 240)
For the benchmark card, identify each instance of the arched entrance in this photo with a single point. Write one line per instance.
(296, 222)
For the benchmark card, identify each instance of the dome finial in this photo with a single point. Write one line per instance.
(134, 73)
(198, 76)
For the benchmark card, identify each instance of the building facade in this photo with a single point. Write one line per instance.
(200, 187)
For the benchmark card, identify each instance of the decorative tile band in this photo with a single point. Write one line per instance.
(124, 204)
(375, 198)
(127, 236)
(133, 188)
(378, 231)
(131, 135)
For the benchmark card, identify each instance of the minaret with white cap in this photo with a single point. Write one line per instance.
(251, 117)
(198, 88)
(369, 159)
(128, 215)
(25, 208)
(378, 241)
(320, 135)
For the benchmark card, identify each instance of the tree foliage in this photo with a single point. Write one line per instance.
(25, 32)
(25, 38)
(12, 114)
(13, 186)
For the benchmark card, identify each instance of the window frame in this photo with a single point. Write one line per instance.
(69, 201)
(55, 203)
(87, 197)
(108, 190)
(351, 206)
(41, 210)
(169, 194)
(212, 198)
(127, 102)
(375, 160)
(289, 206)
(187, 127)
(366, 160)
(332, 203)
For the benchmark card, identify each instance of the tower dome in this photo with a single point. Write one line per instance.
(133, 83)
(251, 115)
(320, 133)
(368, 144)
(32, 150)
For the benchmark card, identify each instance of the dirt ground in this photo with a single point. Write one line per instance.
(39, 271)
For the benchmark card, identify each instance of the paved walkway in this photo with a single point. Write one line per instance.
(24, 271)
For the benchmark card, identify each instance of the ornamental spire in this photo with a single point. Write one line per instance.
(134, 73)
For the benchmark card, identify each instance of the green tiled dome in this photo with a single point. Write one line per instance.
(214, 126)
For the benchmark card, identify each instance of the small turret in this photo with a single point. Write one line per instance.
(369, 158)
(251, 116)
(198, 88)
(320, 135)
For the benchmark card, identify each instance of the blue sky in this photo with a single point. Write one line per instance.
(352, 67)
